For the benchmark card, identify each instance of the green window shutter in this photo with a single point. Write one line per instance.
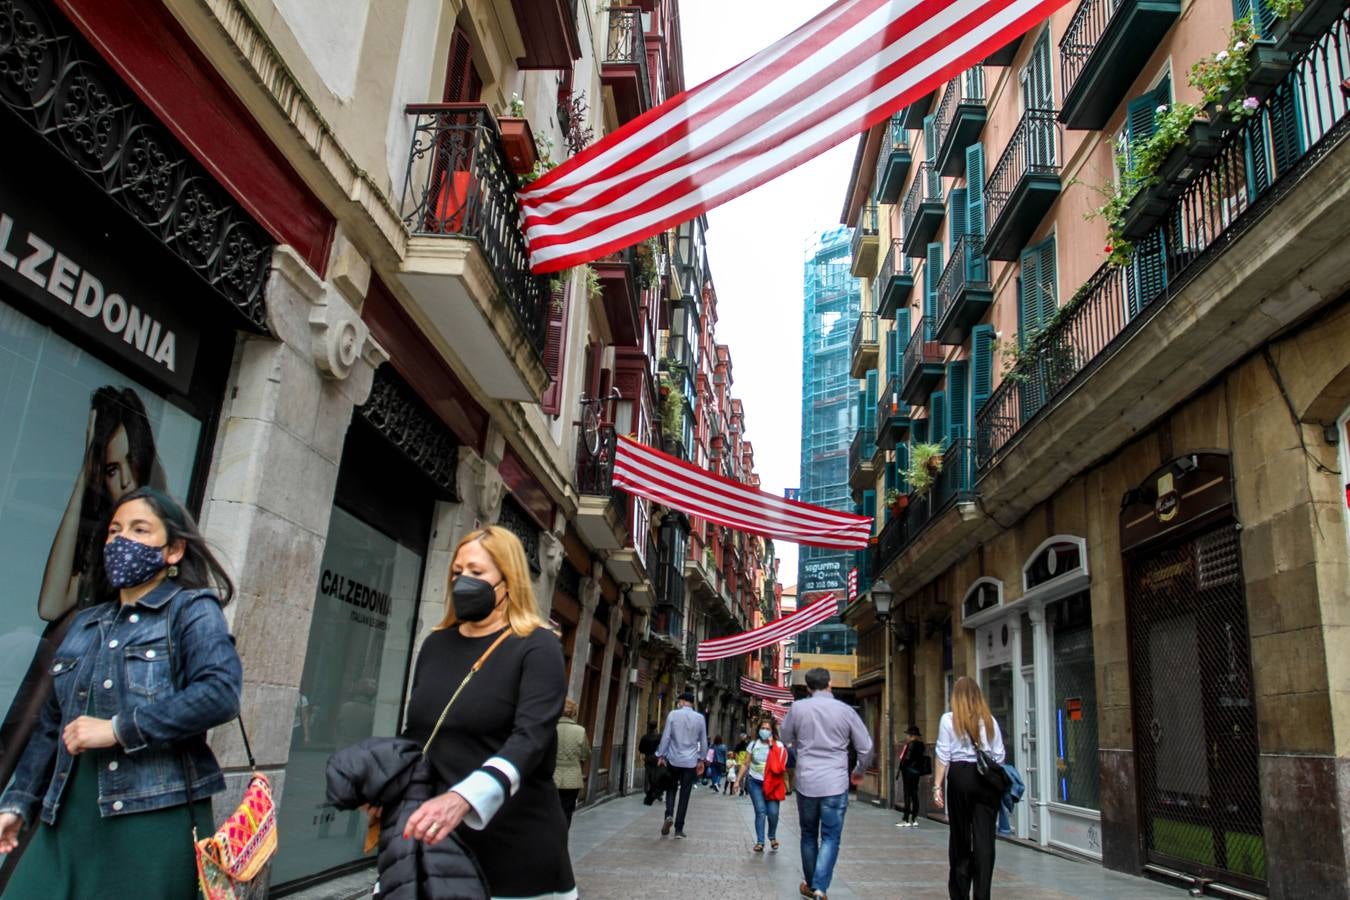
(1241, 9)
(1286, 135)
(870, 402)
(1049, 292)
(937, 418)
(892, 475)
(982, 362)
(932, 272)
(901, 466)
(975, 189)
(869, 504)
(956, 217)
(958, 407)
(1029, 297)
(861, 416)
(1262, 16)
(1142, 114)
(918, 431)
(902, 331)
(930, 136)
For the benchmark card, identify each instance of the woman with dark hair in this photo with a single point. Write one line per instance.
(138, 680)
(971, 802)
(762, 778)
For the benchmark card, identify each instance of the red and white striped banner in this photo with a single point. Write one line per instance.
(852, 585)
(777, 710)
(649, 473)
(852, 66)
(765, 691)
(775, 631)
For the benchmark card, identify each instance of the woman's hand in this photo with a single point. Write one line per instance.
(937, 797)
(10, 826)
(88, 733)
(436, 818)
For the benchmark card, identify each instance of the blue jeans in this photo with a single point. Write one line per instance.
(764, 809)
(1005, 810)
(822, 824)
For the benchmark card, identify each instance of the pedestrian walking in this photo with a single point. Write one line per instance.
(494, 752)
(821, 728)
(574, 750)
(136, 682)
(971, 801)
(913, 764)
(683, 744)
(763, 778)
(647, 746)
(719, 762)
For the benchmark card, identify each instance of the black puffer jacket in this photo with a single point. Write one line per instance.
(389, 773)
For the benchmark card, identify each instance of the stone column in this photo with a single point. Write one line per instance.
(602, 702)
(283, 424)
(551, 555)
(581, 650)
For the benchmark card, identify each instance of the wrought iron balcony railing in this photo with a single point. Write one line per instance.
(862, 246)
(595, 461)
(893, 161)
(963, 292)
(958, 121)
(922, 211)
(458, 184)
(623, 67)
(863, 346)
(921, 351)
(1029, 165)
(895, 280)
(1104, 48)
(1228, 195)
(892, 413)
(953, 484)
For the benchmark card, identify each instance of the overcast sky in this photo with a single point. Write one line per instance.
(756, 246)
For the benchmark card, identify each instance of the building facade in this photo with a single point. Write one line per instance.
(330, 346)
(1108, 466)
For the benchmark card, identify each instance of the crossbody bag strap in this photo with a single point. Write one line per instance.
(182, 757)
(472, 671)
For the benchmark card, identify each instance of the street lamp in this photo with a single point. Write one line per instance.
(882, 597)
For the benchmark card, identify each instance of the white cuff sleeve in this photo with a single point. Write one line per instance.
(485, 796)
(507, 768)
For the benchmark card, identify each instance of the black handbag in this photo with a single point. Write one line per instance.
(991, 772)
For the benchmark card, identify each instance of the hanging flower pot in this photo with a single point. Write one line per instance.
(1303, 26)
(1143, 214)
(517, 143)
(1203, 139)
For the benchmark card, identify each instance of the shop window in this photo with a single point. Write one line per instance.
(78, 435)
(1074, 699)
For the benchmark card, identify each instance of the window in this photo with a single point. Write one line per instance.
(958, 410)
(982, 366)
(1037, 90)
(462, 83)
(1038, 296)
(1074, 698)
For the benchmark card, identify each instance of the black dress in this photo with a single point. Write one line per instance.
(509, 711)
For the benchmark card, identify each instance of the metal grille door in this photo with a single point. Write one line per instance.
(1195, 721)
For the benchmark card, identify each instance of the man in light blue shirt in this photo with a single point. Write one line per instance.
(683, 746)
(821, 728)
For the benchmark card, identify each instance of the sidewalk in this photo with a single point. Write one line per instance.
(618, 853)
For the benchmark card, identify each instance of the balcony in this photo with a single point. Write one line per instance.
(1005, 55)
(862, 474)
(894, 282)
(959, 120)
(1023, 186)
(623, 68)
(621, 295)
(602, 510)
(923, 210)
(864, 243)
(466, 266)
(548, 29)
(954, 484)
(912, 116)
(1103, 51)
(893, 161)
(964, 293)
(865, 346)
(923, 364)
(892, 415)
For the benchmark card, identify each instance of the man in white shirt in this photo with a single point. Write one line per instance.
(683, 745)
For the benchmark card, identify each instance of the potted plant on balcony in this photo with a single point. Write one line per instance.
(517, 138)
(925, 463)
(897, 502)
(645, 254)
(1234, 81)
(1301, 23)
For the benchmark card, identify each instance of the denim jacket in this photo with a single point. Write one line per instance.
(115, 664)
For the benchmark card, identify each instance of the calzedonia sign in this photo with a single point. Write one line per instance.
(85, 280)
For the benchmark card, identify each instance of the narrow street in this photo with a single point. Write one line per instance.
(618, 853)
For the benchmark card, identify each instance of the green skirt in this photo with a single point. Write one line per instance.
(144, 855)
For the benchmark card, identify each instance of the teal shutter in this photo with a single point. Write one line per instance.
(937, 418)
(957, 227)
(901, 466)
(918, 431)
(869, 417)
(1141, 115)
(958, 406)
(1029, 296)
(1286, 135)
(1262, 16)
(869, 504)
(930, 136)
(902, 330)
(982, 366)
(932, 272)
(1049, 293)
(975, 189)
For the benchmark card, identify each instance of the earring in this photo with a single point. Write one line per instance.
(172, 571)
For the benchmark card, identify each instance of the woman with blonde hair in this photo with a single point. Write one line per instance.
(971, 802)
(494, 751)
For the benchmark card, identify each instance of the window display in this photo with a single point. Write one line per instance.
(1075, 704)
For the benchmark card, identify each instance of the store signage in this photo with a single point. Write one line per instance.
(822, 574)
(995, 644)
(84, 280)
(370, 607)
(1194, 488)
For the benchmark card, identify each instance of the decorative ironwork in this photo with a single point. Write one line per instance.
(953, 483)
(865, 332)
(401, 417)
(595, 461)
(459, 185)
(60, 87)
(924, 196)
(1298, 124)
(867, 228)
(921, 350)
(515, 520)
(966, 270)
(569, 580)
(965, 90)
(1030, 151)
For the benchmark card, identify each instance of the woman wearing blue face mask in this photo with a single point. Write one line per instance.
(493, 755)
(137, 681)
(762, 779)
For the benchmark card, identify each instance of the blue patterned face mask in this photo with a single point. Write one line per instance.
(129, 563)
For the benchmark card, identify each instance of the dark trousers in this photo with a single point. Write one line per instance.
(911, 803)
(653, 783)
(972, 810)
(681, 782)
(568, 796)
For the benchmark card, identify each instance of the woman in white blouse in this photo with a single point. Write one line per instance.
(972, 805)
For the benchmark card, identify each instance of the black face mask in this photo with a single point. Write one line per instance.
(474, 598)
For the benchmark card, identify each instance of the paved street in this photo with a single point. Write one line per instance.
(618, 853)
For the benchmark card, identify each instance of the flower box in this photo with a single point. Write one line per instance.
(1269, 66)
(517, 143)
(1175, 172)
(1307, 26)
(1204, 139)
(1144, 213)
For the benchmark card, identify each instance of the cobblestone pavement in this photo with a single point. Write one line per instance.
(618, 853)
